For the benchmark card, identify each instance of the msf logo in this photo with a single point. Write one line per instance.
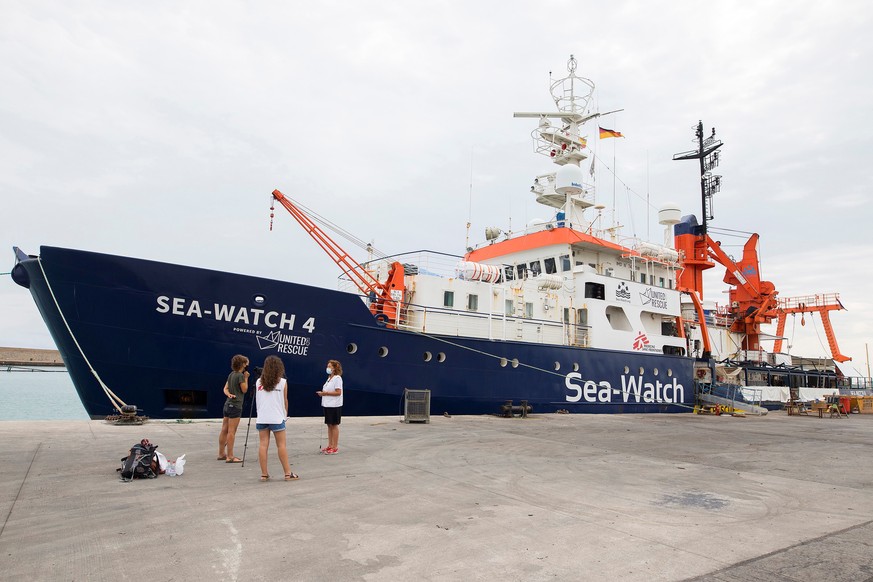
(641, 341)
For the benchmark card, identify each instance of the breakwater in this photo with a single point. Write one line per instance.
(29, 357)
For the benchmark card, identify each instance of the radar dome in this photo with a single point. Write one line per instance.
(669, 214)
(568, 179)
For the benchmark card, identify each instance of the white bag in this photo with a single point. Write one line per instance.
(180, 465)
(162, 461)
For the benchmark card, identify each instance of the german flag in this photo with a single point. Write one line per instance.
(604, 133)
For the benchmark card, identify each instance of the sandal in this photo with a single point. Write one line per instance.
(221, 459)
(291, 477)
(265, 478)
(234, 460)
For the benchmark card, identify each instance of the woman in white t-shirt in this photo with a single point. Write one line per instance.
(271, 397)
(332, 403)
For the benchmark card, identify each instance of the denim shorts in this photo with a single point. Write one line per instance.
(278, 427)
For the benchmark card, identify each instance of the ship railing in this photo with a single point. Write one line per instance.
(493, 326)
(855, 383)
(819, 300)
(421, 262)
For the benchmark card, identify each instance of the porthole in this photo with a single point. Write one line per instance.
(642, 371)
(259, 300)
(626, 370)
(669, 372)
(655, 371)
(515, 362)
(352, 348)
(575, 367)
(383, 351)
(441, 357)
(503, 362)
(428, 356)
(557, 366)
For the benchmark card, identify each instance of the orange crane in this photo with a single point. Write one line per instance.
(821, 304)
(752, 301)
(385, 298)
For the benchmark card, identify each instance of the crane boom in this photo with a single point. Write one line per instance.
(384, 298)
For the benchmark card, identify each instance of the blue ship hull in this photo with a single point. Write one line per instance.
(161, 336)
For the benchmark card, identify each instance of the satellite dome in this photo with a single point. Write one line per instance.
(669, 214)
(568, 179)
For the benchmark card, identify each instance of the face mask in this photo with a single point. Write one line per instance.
(328, 371)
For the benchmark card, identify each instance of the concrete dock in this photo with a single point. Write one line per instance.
(550, 497)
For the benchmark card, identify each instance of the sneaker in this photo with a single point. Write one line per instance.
(331, 451)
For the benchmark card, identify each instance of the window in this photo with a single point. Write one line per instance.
(550, 266)
(633, 276)
(617, 318)
(509, 309)
(566, 315)
(472, 302)
(448, 298)
(662, 281)
(565, 262)
(535, 269)
(595, 290)
(508, 273)
(522, 271)
(670, 282)
(582, 316)
(528, 310)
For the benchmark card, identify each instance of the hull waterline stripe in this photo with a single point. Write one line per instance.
(113, 398)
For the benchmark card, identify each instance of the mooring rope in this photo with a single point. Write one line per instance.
(113, 398)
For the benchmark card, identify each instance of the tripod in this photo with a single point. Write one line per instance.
(248, 426)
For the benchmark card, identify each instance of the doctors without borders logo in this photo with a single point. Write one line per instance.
(641, 341)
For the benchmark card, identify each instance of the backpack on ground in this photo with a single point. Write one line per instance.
(141, 463)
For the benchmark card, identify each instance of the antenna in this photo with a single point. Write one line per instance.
(708, 156)
(470, 208)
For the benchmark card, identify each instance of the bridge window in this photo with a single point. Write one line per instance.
(565, 263)
(551, 267)
(508, 273)
(535, 268)
(522, 271)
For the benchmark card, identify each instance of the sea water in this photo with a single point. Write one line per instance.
(37, 393)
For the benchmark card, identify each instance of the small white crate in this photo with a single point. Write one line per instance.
(416, 406)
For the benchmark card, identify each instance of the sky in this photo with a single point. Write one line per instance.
(158, 130)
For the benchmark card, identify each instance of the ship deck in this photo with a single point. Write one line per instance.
(566, 497)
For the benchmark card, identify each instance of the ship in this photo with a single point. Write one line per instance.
(559, 316)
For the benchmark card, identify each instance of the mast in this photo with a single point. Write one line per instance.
(708, 157)
(565, 145)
